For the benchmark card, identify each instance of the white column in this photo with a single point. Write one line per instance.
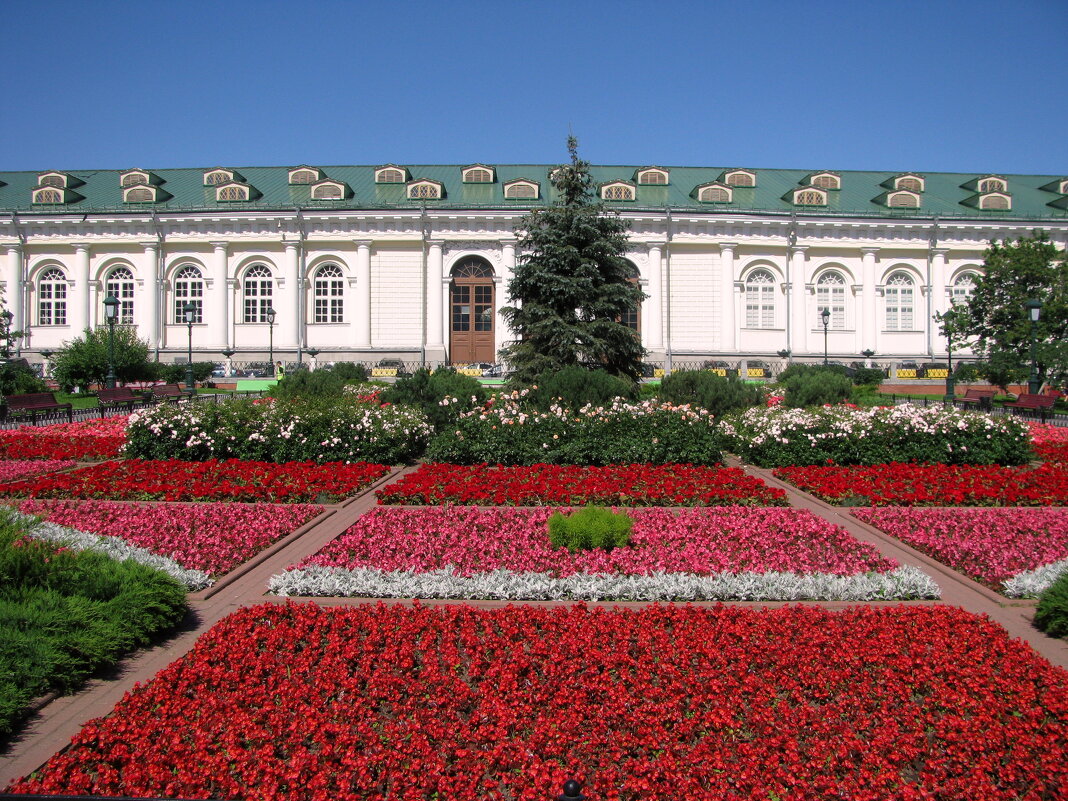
(434, 297)
(652, 308)
(503, 334)
(362, 310)
(13, 285)
(868, 329)
(289, 315)
(799, 311)
(217, 302)
(78, 308)
(940, 300)
(150, 298)
(728, 330)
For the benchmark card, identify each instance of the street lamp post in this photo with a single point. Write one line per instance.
(270, 335)
(189, 311)
(1034, 311)
(111, 315)
(951, 382)
(825, 315)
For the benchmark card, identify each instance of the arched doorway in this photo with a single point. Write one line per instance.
(471, 312)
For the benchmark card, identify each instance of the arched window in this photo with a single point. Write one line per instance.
(303, 177)
(910, 183)
(826, 181)
(389, 175)
(830, 295)
(327, 192)
(231, 193)
(329, 291)
(52, 298)
(715, 194)
(258, 290)
(521, 191)
(48, 196)
(903, 200)
(188, 288)
(120, 284)
(809, 197)
(900, 298)
(963, 288)
(617, 192)
(760, 300)
(53, 179)
(998, 202)
(424, 192)
(741, 178)
(992, 185)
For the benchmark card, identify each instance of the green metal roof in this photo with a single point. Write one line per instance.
(861, 193)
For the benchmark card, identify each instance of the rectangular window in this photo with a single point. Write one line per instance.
(899, 312)
(329, 301)
(834, 300)
(257, 299)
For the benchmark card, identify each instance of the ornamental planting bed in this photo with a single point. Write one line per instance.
(1018, 552)
(543, 484)
(374, 702)
(712, 553)
(22, 468)
(85, 441)
(213, 538)
(231, 480)
(933, 484)
(1050, 442)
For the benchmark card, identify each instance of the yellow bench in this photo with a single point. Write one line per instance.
(718, 371)
(754, 372)
(658, 372)
(383, 372)
(474, 372)
(938, 372)
(906, 373)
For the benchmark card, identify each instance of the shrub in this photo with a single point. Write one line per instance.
(308, 383)
(350, 371)
(868, 376)
(84, 360)
(717, 394)
(175, 373)
(590, 527)
(438, 394)
(1051, 615)
(18, 378)
(577, 386)
(814, 385)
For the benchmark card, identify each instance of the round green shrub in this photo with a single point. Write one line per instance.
(717, 394)
(440, 394)
(1051, 615)
(590, 527)
(577, 386)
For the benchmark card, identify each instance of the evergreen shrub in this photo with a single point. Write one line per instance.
(814, 385)
(440, 394)
(576, 386)
(590, 527)
(716, 393)
(1051, 615)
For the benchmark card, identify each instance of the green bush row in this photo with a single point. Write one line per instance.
(65, 615)
(1051, 615)
(590, 527)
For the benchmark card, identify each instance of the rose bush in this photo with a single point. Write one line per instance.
(302, 703)
(778, 436)
(933, 484)
(175, 480)
(309, 429)
(542, 484)
(85, 441)
(505, 431)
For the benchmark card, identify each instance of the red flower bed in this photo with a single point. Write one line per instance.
(84, 441)
(554, 485)
(1049, 442)
(231, 480)
(373, 702)
(933, 484)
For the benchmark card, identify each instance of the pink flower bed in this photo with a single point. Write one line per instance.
(703, 541)
(1050, 442)
(24, 468)
(212, 537)
(990, 545)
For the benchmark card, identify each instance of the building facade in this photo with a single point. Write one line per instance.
(413, 262)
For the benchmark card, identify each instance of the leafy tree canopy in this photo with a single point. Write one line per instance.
(571, 286)
(84, 361)
(994, 316)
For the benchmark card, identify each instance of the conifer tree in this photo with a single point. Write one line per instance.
(571, 286)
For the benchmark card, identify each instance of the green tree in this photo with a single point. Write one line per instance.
(1030, 267)
(84, 361)
(571, 286)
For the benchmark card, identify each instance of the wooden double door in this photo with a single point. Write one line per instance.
(472, 313)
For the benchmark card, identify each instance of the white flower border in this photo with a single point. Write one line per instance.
(1032, 583)
(113, 547)
(506, 585)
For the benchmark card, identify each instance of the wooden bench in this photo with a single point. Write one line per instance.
(34, 402)
(120, 396)
(1034, 403)
(983, 398)
(169, 392)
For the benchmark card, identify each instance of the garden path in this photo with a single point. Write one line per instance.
(58, 721)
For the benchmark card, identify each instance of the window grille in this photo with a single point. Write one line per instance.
(760, 300)
(830, 294)
(258, 289)
(188, 288)
(900, 303)
(329, 295)
(120, 285)
(52, 298)
(521, 192)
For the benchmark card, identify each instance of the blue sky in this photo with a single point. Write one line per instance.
(963, 86)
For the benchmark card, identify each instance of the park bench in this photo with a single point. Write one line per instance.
(34, 403)
(120, 396)
(1033, 403)
(169, 392)
(981, 397)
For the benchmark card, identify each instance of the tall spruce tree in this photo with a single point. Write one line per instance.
(571, 287)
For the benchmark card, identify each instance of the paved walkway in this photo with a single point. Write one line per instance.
(57, 722)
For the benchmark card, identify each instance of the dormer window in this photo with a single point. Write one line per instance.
(425, 189)
(478, 174)
(49, 194)
(233, 192)
(329, 190)
(218, 176)
(739, 178)
(143, 193)
(824, 180)
(305, 175)
(909, 181)
(809, 197)
(903, 199)
(133, 178)
(995, 201)
(992, 184)
(653, 176)
(390, 174)
(522, 189)
(618, 190)
(1062, 187)
(715, 192)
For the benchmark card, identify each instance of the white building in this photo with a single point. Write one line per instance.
(413, 262)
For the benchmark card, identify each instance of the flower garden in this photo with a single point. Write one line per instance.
(367, 701)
